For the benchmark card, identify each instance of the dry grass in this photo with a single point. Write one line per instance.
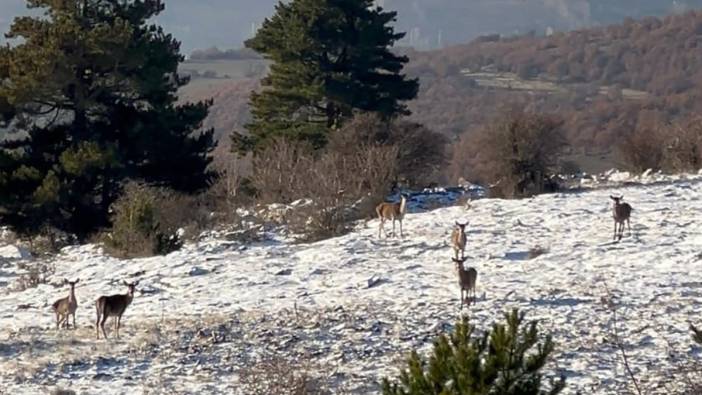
(36, 272)
(276, 375)
(537, 251)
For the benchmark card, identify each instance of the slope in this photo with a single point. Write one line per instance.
(205, 314)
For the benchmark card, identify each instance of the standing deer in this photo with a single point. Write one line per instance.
(458, 239)
(393, 211)
(113, 306)
(466, 280)
(67, 306)
(621, 213)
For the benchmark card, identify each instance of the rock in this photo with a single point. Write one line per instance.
(375, 281)
(197, 271)
(284, 272)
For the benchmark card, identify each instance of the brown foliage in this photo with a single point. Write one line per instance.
(421, 152)
(332, 187)
(518, 152)
(675, 148)
(643, 149)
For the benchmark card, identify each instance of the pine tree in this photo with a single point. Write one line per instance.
(91, 90)
(329, 59)
(505, 361)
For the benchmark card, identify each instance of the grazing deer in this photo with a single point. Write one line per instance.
(466, 280)
(621, 213)
(393, 211)
(458, 239)
(113, 306)
(67, 306)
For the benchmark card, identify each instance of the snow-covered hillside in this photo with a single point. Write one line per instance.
(353, 306)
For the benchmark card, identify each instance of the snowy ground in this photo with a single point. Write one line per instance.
(202, 314)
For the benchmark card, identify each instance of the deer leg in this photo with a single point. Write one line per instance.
(380, 227)
(393, 228)
(97, 326)
(74, 320)
(621, 230)
(401, 235)
(119, 321)
(102, 325)
(628, 225)
(462, 298)
(615, 231)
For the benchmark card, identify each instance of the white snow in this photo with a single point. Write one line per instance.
(356, 305)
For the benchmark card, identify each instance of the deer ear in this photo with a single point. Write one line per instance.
(135, 283)
(125, 283)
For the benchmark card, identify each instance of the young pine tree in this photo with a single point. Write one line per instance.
(329, 59)
(507, 361)
(91, 88)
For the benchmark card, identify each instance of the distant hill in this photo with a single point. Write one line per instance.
(603, 81)
(429, 23)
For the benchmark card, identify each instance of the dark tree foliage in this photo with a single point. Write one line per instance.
(330, 58)
(92, 87)
(507, 360)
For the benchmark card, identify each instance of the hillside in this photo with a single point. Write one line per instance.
(350, 308)
(603, 82)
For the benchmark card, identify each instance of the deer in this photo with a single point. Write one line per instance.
(391, 211)
(621, 213)
(113, 306)
(466, 280)
(65, 307)
(458, 239)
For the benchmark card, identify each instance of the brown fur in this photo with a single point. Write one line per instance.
(467, 278)
(113, 306)
(621, 212)
(458, 239)
(391, 211)
(65, 307)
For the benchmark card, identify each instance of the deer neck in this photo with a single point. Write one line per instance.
(72, 296)
(403, 206)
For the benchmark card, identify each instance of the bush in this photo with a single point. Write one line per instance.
(146, 220)
(673, 148)
(421, 152)
(36, 273)
(506, 360)
(683, 151)
(279, 376)
(519, 151)
(642, 149)
(334, 188)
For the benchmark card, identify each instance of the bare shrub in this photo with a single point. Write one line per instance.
(37, 272)
(421, 152)
(519, 151)
(642, 149)
(683, 150)
(229, 190)
(337, 186)
(277, 174)
(342, 188)
(673, 148)
(280, 376)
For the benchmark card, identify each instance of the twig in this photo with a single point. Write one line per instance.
(617, 339)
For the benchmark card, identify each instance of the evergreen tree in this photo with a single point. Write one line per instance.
(505, 361)
(329, 59)
(91, 88)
